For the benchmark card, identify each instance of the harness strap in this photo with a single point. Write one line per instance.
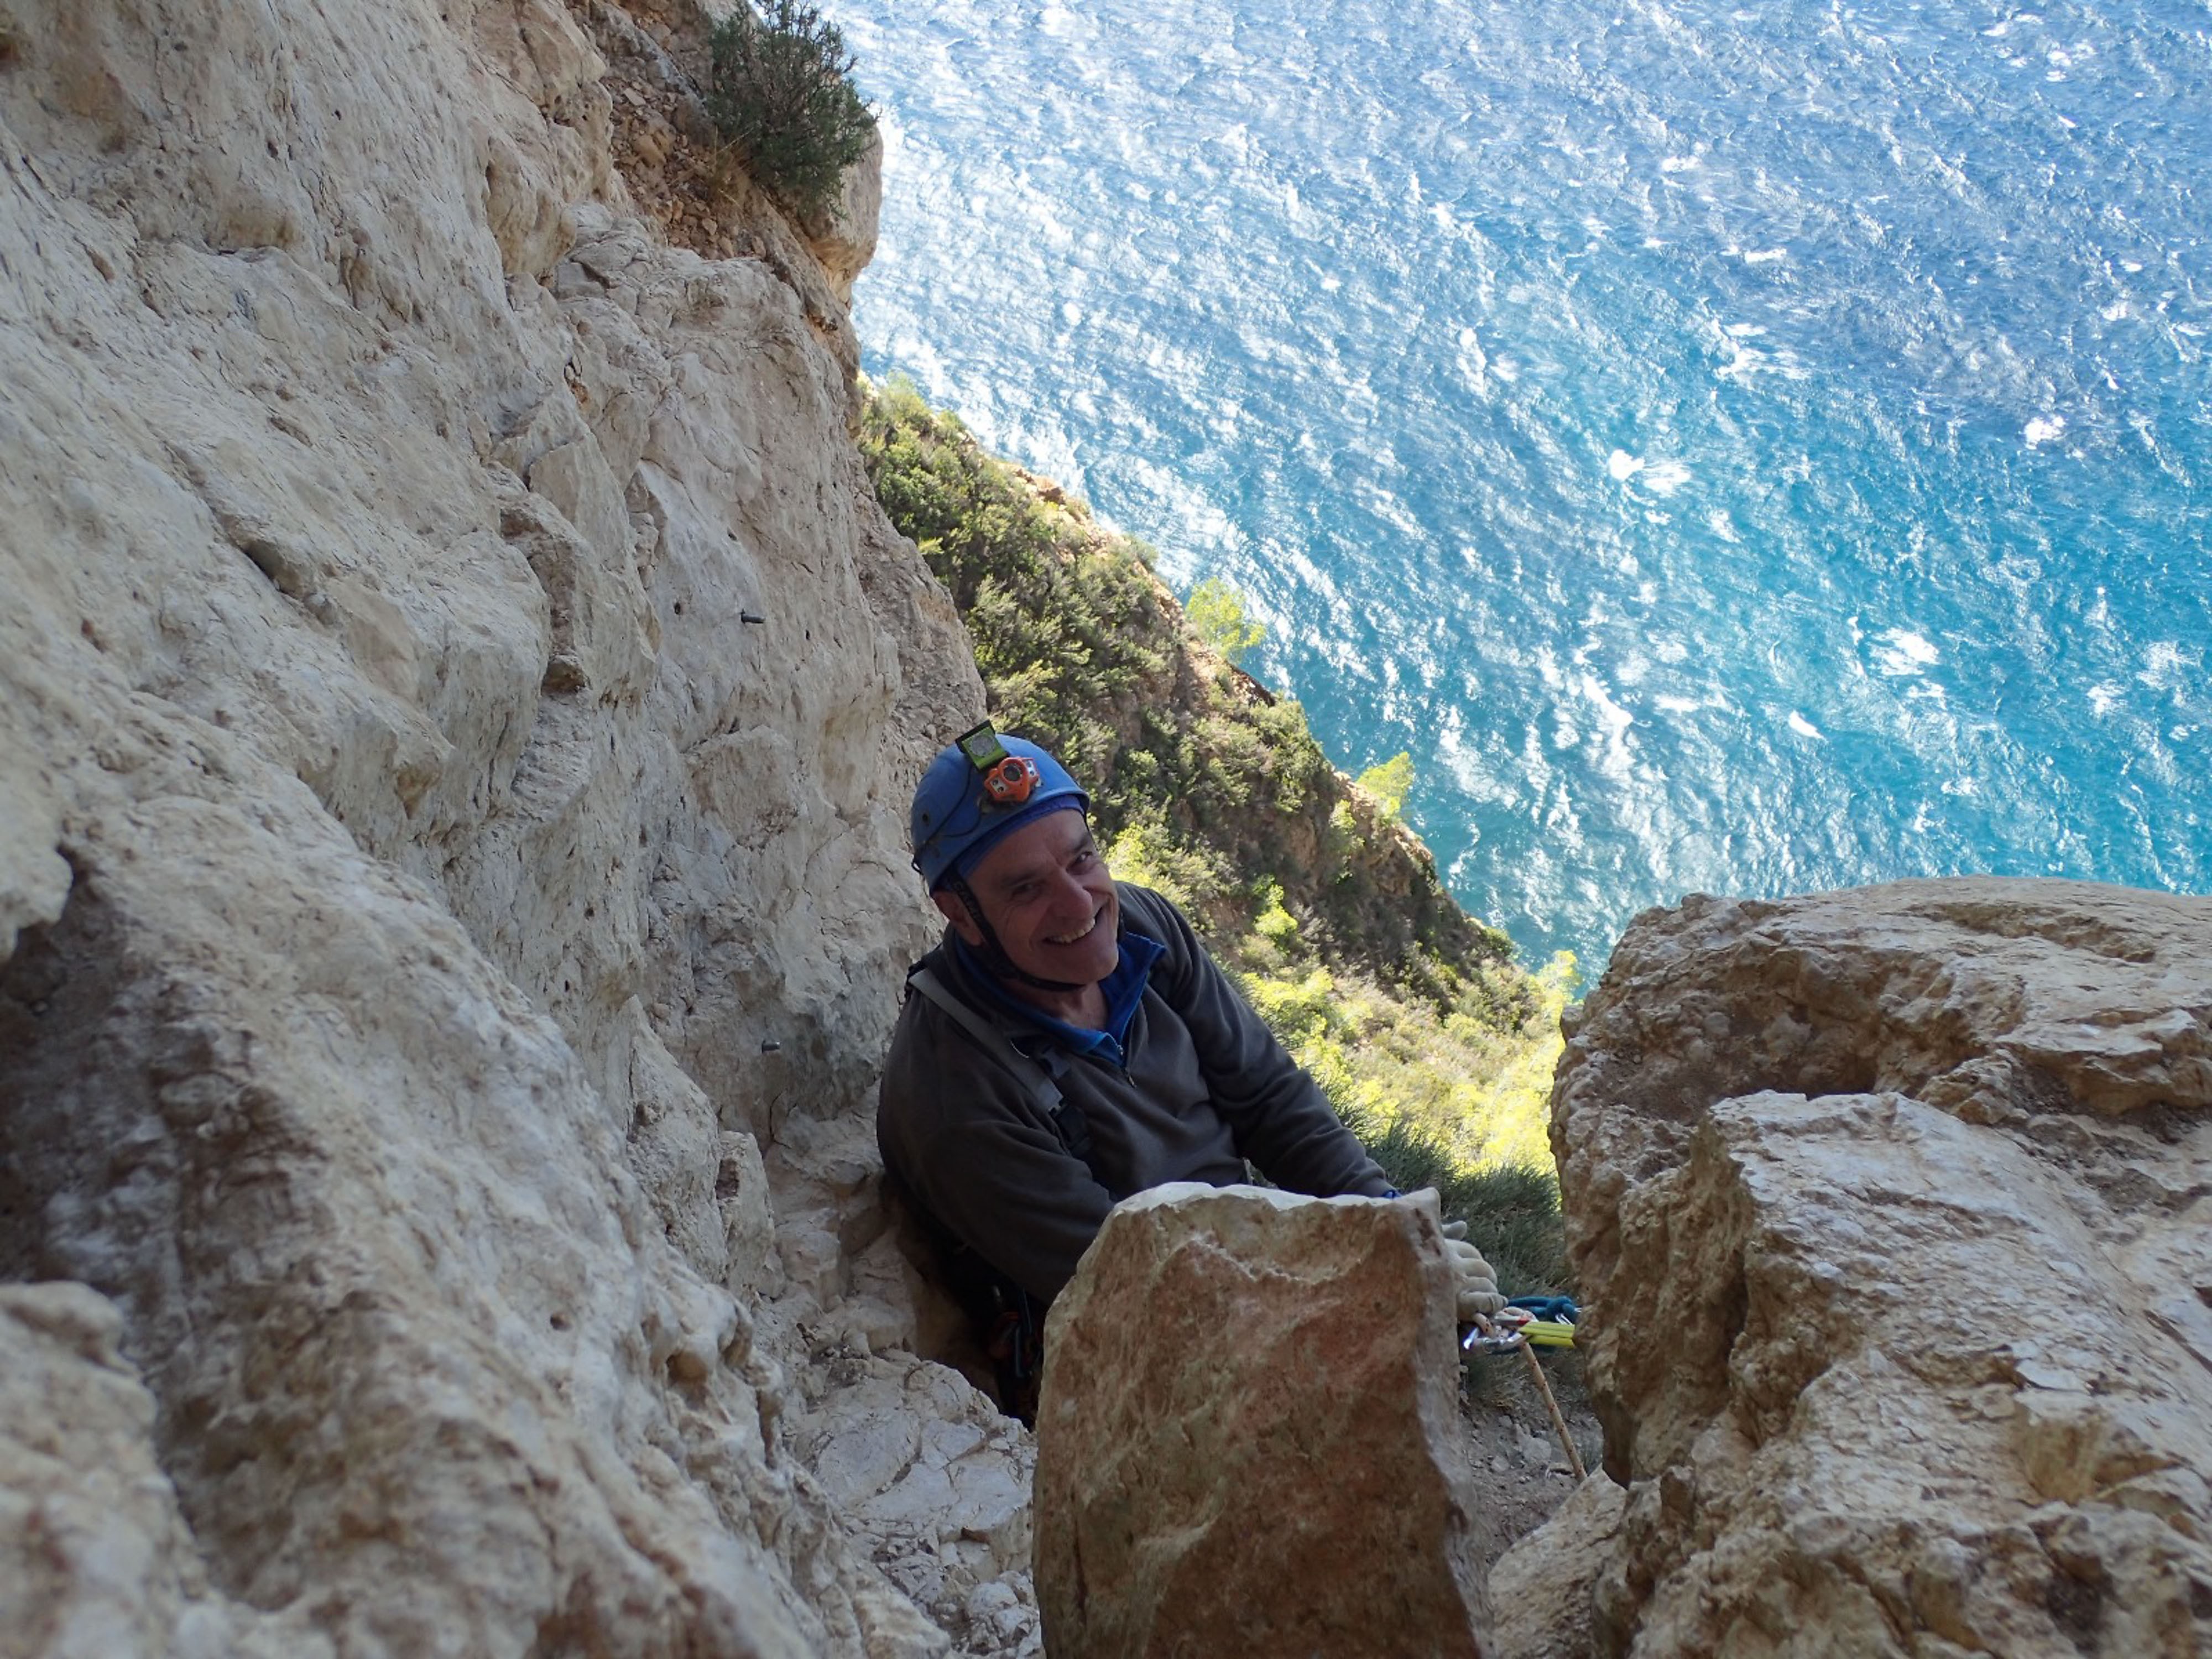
(1066, 1116)
(1015, 1339)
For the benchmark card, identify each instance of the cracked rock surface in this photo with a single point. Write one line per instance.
(1893, 1213)
(445, 946)
(1248, 1438)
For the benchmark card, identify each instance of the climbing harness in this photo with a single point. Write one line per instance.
(1560, 1308)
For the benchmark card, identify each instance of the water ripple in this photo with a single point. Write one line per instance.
(1742, 450)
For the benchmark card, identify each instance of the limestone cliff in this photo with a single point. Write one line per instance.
(457, 691)
(1894, 1209)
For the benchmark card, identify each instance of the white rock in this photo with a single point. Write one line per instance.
(95, 1560)
(435, 932)
(1896, 1290)
(1247, 1434)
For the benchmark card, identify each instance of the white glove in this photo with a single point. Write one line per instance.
(1477, 1285)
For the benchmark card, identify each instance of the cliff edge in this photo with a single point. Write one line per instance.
(458, 695)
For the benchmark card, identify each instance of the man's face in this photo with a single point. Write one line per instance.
(1049, 898)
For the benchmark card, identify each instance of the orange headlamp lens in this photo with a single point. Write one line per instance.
(1012, 781)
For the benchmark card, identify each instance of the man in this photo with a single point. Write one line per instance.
(1072, 1042)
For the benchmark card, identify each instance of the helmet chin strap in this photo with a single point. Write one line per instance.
(995, 954)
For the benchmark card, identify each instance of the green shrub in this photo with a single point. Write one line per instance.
(1148, 853)
(1217, 610)
(782, 97)
(1274, 922)
(1470, 1079)
(1388, 783)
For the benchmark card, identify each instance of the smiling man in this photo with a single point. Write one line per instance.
(1071, 1042)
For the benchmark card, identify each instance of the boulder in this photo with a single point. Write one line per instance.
(1543, 1595)
(1892, 1211)
(1247, 1435)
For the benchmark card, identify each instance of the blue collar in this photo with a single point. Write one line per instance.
(1124, 989)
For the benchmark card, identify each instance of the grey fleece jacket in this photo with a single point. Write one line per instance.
(1204, 1086)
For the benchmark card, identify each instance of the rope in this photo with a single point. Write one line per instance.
(1550, 1405)
(1525, 1322)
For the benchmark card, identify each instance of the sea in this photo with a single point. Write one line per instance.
(1731, 449)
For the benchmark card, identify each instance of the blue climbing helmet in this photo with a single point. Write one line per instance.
(981, 788)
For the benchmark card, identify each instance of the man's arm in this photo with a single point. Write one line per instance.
(1278, 1114)
(977, 1151)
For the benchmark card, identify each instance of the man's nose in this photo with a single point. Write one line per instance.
(1069, 894)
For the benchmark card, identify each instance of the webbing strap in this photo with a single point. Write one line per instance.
(1066, 1116)
(1034, 1076)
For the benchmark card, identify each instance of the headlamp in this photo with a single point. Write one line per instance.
(1008, 780)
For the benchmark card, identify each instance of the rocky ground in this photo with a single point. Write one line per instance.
(1519, 1470)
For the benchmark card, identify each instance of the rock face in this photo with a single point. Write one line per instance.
(94, 1559)
(1894, 1208)
(1246, 1438)
(457, 698)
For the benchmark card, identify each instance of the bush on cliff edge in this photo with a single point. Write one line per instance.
(782, 96)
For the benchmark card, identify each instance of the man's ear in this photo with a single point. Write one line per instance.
(957, 912)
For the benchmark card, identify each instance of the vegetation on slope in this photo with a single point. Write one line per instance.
(1433, 1044)
(782, 96)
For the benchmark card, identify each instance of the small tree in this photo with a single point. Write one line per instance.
(783, 98)
(1217, 610)
(1389, 784)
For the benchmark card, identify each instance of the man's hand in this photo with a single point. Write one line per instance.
(1476, 1284)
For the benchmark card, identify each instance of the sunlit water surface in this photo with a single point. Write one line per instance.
(1740, 449)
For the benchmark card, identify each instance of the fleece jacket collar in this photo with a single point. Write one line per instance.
(1124, 989)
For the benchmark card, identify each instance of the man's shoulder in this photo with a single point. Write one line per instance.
(1153, 915)
(930, 1042)
(943, 1078)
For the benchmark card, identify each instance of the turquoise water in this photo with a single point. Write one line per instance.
(1735, 450)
